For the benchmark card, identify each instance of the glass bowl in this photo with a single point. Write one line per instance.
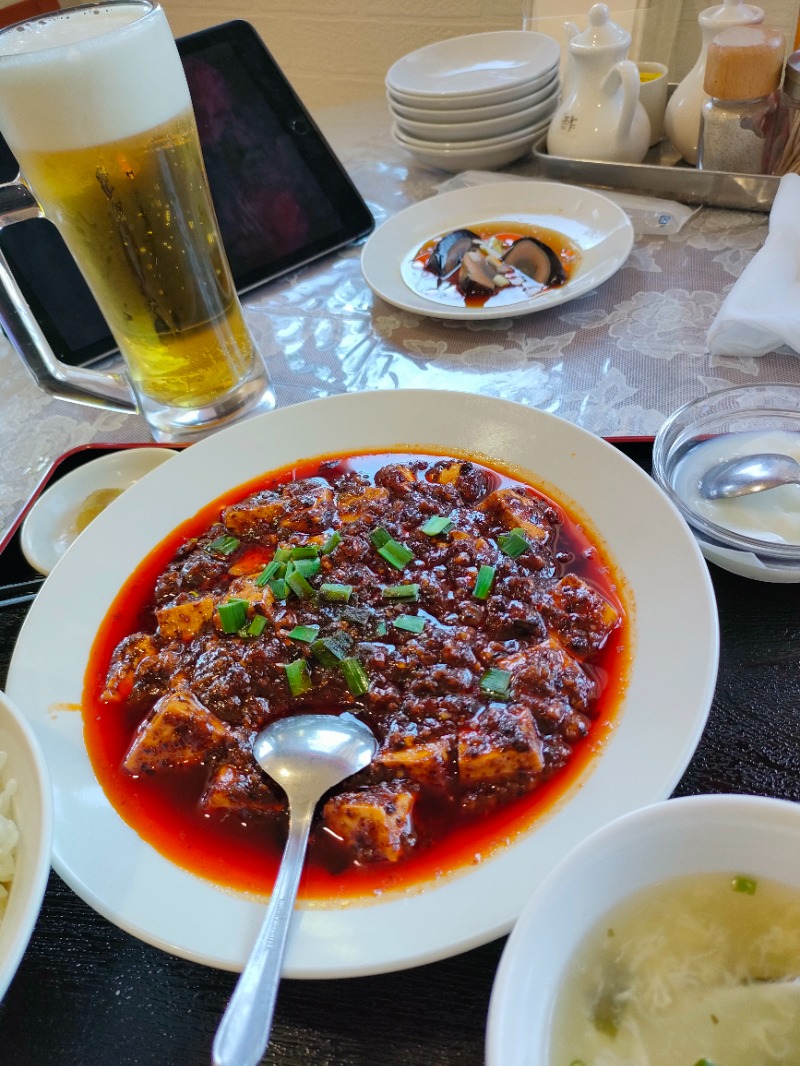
(756, 536)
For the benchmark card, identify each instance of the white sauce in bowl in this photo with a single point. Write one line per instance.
(772, 516)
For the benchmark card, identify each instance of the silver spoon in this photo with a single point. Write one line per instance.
(306, 755)
(749, 473)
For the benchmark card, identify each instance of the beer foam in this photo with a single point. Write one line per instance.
(88, 75)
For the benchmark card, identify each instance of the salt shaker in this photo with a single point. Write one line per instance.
(743, 72)
(682, 118)
(785, 154)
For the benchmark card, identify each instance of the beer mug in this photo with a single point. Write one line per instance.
(95, 106)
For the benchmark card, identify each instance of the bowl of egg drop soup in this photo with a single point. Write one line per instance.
(670, 937)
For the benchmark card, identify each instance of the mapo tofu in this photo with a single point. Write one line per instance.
(459, 612)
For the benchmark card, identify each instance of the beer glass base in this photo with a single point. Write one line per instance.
(171, 425)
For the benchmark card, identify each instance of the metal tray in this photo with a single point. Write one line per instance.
(663, 173)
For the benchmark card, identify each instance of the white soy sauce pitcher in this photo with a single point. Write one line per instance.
(600, 116)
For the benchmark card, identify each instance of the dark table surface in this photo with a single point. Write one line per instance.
(88, 994)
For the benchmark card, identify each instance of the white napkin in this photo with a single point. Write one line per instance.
(762, 310)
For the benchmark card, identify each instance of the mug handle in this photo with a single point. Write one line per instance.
(80, 385)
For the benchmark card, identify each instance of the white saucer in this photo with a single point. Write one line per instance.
(51, 525)
(481, 64)
(598, 227)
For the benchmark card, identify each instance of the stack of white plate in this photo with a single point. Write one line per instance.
(475, 102)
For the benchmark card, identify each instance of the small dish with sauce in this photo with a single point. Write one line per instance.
(67, 507)
(756, 535)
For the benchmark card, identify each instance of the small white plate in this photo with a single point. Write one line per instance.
(601, 230)
(516, 122)
(55, 520)
(481, 63)
(419, 113)
(479, 155)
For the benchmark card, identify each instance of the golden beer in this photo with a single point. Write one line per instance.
(137, 217)
(95, 106)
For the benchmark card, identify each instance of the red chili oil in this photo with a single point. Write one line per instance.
(243, 853)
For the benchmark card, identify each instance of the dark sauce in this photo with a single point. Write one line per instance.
(446, 290)
(243, 851)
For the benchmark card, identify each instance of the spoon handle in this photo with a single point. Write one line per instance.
(243, 1033)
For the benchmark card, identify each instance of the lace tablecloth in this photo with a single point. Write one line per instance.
(616, 361)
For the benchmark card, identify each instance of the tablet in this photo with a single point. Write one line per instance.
(282, 197)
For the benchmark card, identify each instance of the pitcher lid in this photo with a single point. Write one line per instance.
(601, 32)
(731, 13)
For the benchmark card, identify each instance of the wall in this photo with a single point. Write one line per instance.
(335, 52)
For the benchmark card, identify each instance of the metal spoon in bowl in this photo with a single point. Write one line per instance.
(749, 473)
(306, 755)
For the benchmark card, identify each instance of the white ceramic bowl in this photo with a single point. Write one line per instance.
(32, 813)
(699, 834)
(419, 113)
(481, 63)
(737, 419)
(497, 152)
(443, 132)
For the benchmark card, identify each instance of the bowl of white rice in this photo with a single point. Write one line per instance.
(26, 835)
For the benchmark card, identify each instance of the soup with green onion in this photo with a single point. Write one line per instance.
(701, 970)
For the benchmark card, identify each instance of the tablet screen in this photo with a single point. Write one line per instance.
(281, 196)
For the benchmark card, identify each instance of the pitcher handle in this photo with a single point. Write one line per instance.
(80, 385)
(628, 74)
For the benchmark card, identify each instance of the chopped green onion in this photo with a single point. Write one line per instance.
(279, 588)
(233, 615)
(283, 555)
(411, 623)
(496, 683)
(396, 553)
(333, 541)
(436, 525)
(305, 551)
(304, 633)
(355, 675)
(328, 651)
(360, 616)
(299, 586)
(513, 544)
(483, 582)
(334, 592)
(298, 677)
(306, 567)
(401, 592)
(379, 537)
(257, 626)
(273, 569)
(700, 1062)
(744, 884)
(224, 545)
(381, 629)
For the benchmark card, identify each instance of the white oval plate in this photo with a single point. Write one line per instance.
(480, 63)
(488, 155)
(456, 133)
(48, 529)
(661, 719)
(477, 113)
(600, 228)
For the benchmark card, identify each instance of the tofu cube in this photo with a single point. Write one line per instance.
(374, 824)
(183, 621)
(179, 732)
(500, 744)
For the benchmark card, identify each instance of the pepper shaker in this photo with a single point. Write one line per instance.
(743, 73)
(785, 155)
